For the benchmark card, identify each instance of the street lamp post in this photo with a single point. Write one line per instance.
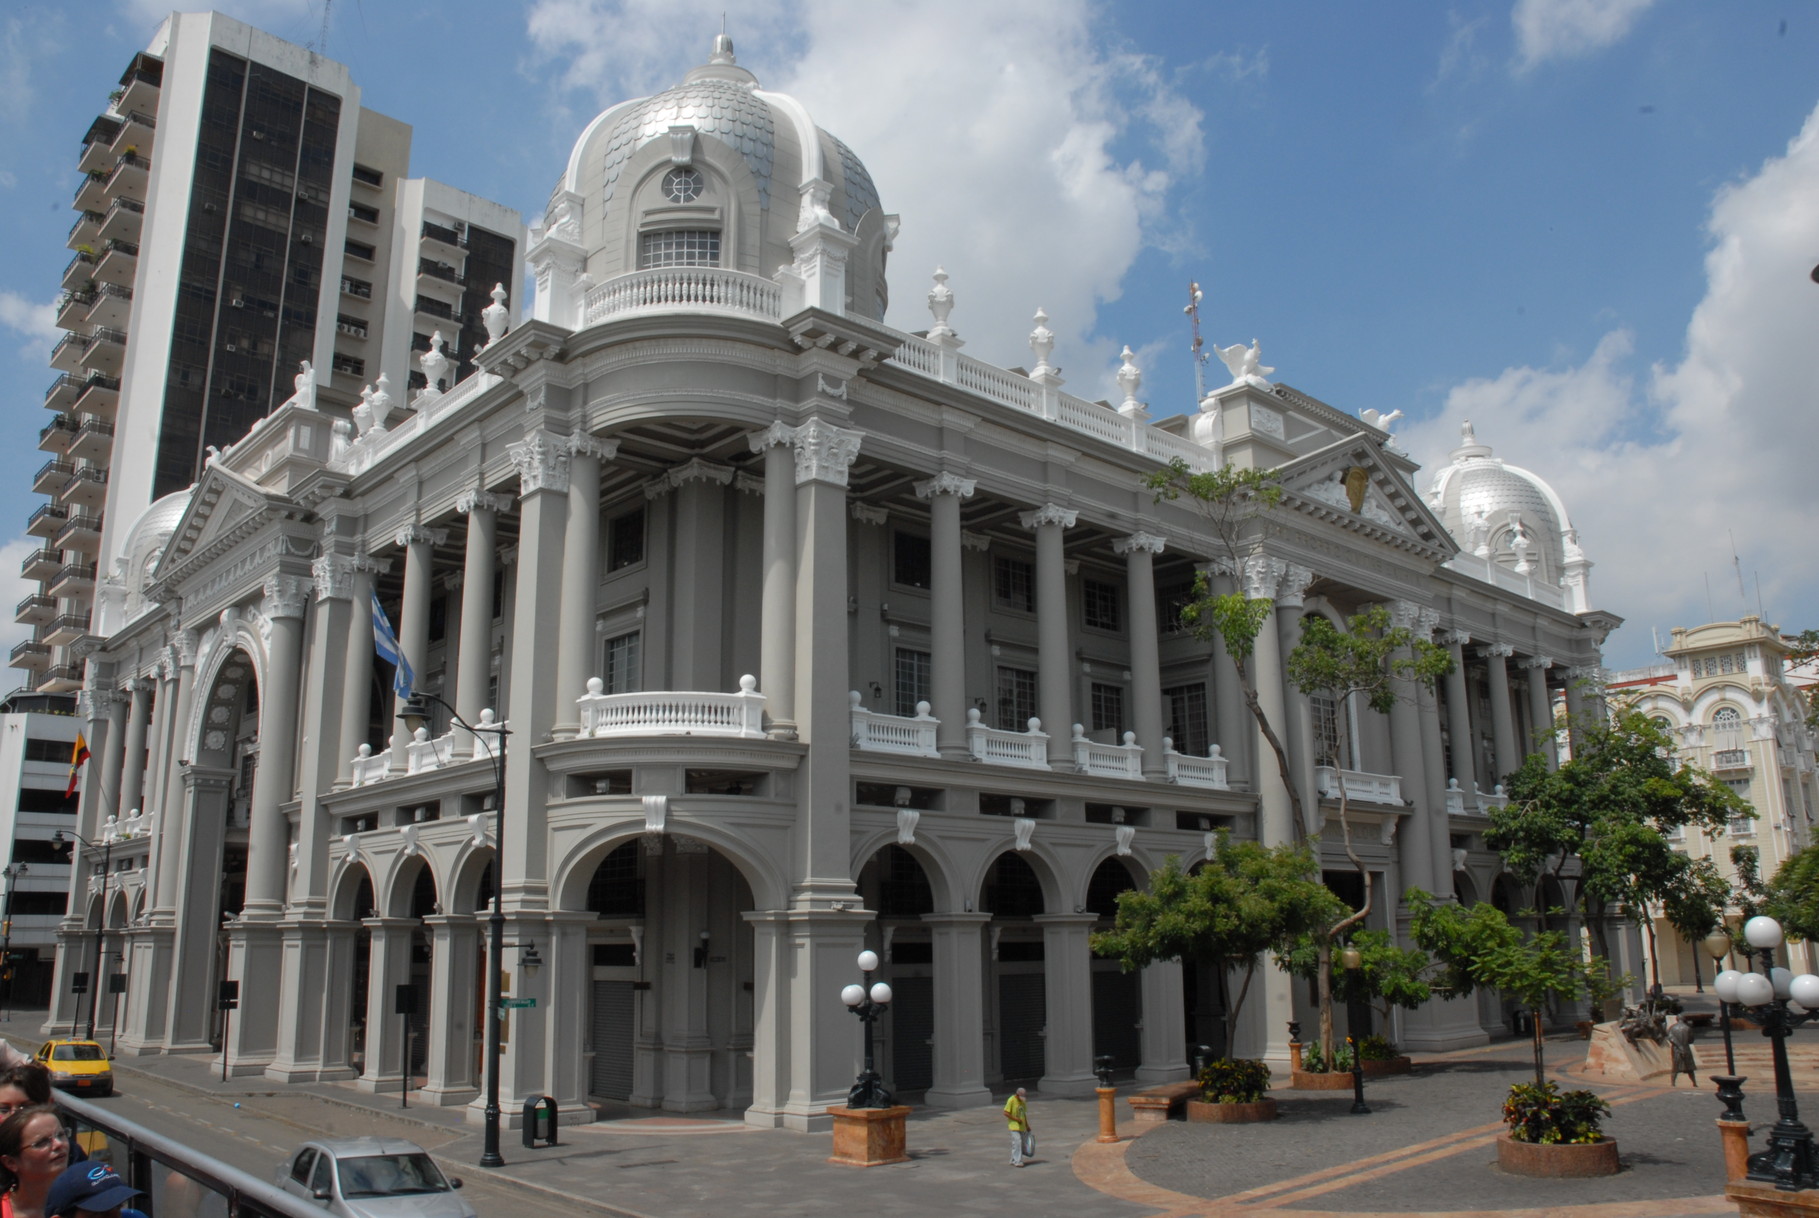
(868, 1002)
(1355, 1017)
(413, 713)
(1718, 945)
(59, 840)
(1788, 1162)
(12, 871)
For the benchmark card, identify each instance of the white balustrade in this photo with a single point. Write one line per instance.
(1025, 750)
(1498, 798)
(423, 754)
(371, 767)
(881, 733)
(1107, 760)
(673, 712)
(1190, 771)
(685, 289)
(1372, 788)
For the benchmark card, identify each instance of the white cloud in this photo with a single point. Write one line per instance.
(1568, 29)
(1033, 168)
(1661, 472)
(36, 322)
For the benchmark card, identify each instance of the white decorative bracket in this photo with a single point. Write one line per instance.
(1025, 828)
(1126, 834)
(656, 813)
(906, 826)
(637, 945)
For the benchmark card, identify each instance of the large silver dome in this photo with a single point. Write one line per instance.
(1509, 516)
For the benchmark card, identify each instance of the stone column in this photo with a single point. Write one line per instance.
(388, 966)
(1297, 723)
(777, 603)
(1503, 729)
(1275, 824)
(959, 1049)
(171, 824)
(1164, 1037)
(771, 991)
(337, 999)
(475, 669)
(1054, 665)
(105, 712)
(576, 647)
(1405, 755)
(1140, 550)
(699, 558)
(1541, 709)
(454, 978)
(1067, 964)
(1459, 718)
(947, 610)
(1236, 730)
(419, 544)
(206, 802)
(1581, 696)
(133, 758)
(357, 674)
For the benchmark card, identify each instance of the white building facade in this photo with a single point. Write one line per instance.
(810, 634)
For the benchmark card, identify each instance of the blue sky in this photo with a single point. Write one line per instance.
(1587, 225)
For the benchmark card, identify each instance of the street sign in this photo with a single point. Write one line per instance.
(518, 1004)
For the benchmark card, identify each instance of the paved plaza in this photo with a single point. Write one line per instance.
(1426, 1148)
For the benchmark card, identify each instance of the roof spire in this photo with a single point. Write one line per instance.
(723, 45)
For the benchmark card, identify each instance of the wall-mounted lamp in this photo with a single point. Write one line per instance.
(701, 952)
(877, 690)
(528, 959)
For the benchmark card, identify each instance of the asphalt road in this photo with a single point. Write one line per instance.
(260, 1134)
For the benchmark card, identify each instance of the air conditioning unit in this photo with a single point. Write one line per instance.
(307, 238)
(229, 347)
(239, 302)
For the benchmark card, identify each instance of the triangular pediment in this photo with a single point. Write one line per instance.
(1353, 485)
(223, 509)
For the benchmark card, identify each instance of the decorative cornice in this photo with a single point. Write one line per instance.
(777, 433)
(468, 502)
(866, 513)
(1536, 662)
(1048, 513)
(747, 484)
(1147, 543)
(698, 470)
(825, 453)
(945, 483)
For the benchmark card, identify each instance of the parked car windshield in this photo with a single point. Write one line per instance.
(390, 1176)
(77, 1053)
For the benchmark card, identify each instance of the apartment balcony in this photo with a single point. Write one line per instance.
(66, 628)
(41, 564)
(81, 533)
(63, 392)
(433, 272)
(140, 87)
(1359, 785)
(359, 289)
(85, 488)
(51, 476)
(123, 221)
(72, 310)
(364, 214)
(79, 273)
(903, 735)
(57, 435)
(94, 441)
(112, 306)
(129, 177)
(138, 133)
(1732, 759)
(73, 579)
(98, 144)
(685, 289)
(105, 352)
(119, 263)
(100, 396)
(995, 746)
(86, 230)
(352, 329)
(440, 241)
(66, 356)
(436, 310)
(61, 679)
(47, 521)
(31, 655)
(35, 610)
(1187, 770)
(92, 193)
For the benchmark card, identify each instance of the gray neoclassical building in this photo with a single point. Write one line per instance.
(810, 634)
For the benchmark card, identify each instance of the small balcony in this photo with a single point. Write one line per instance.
(995, 746)
(685, 289)
(1190, 771)
(98, 144)
(123, 221)
(105, 353)
(47, 521)
(79, 271)
(61, 679)
(57, 435)
(1107, 760)
(72, 310)
(63, 392)
(138, 133)
(86, 230)
(1731, 759)
(35, 610)
(1359, 785)
(140, 86)
(81, 532)
(66, 356)
(112, 305)
(359, 289)
(903, 735)
(129, 177)
(429, 306)
(86, 488)
(437, 272)
(51, 476)
(94, 441)
(66, 628)
(673, 712)
(31, 655)
(91, 192)
(41, 564)
(73, 579)
(119, 263)
(100, 395)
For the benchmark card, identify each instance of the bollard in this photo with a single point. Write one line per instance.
(1294, 1056)
(1108, 1113)
(1736, 1138)
(540, 1121)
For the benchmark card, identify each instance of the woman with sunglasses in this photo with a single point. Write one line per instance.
(34, 1150)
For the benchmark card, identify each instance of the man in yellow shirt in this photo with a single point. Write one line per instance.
(1023, 1142)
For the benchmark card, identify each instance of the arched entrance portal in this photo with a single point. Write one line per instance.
(893, 883)
(1117, 995)
(1013, 895)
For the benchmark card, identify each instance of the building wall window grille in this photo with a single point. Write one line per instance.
(1329, 731)
(1171, 599)
(679, 247)
(1016, 699)
(625, 541)
(1108, 709)
(1014, 584)
(911, 560)
(1103, 605)
(912, 684)
(620, 674)
(1187, 725)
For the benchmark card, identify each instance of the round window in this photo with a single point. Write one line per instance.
(683, 185)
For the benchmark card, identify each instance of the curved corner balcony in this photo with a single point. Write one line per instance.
(684, 289)
(673, 712)
(1371, 788)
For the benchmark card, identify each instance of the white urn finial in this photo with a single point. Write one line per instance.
(1130, 380)
(1042, 342)
(496, 317)
(940, 304)
(435, 365)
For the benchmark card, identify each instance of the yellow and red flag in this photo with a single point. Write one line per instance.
(77, 756)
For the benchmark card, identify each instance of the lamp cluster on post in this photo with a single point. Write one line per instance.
(1788, 1162)
(59, 840)
(868, 1001)
(12, 871)
(413, 714)
(1355, 1016)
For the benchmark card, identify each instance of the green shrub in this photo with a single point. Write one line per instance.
(1228, 1081)
(1546, 1115)
(1377, 1049)
(1313, 1061)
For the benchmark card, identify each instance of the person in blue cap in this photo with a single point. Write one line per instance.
(90, 1189)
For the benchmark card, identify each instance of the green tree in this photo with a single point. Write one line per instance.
(1599, 824)
(1792, 898)
(1480, 946)
(1244, 901)
(1803, 648)
(1388, 975)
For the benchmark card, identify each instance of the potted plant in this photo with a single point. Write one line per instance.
(1555, 1134)
(1233, 1092)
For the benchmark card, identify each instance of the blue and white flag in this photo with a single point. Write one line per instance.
(385, 642)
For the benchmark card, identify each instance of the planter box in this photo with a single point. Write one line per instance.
(1231, 1114)
(1308, 1080)
(1557, 1161)
(869, 1137)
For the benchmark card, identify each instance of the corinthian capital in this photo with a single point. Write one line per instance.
(285, 595)
(1261, 575)
(415, 534)
(945, 483)
(541, 462)
(469, 502)
(824, 453)
(1048, 513)
(1146, 542)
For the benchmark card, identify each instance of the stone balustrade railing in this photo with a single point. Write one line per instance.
(423, 753)
(673, 712)
(1190, 771)
(1107, 760)
(684, 289)
(370, 767)
(1025, 750)
(1371, 788)
(880, 733)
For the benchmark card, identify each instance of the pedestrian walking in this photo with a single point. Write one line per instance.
(1023, 1142)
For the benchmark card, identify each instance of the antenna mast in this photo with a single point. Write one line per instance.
(1194, 297)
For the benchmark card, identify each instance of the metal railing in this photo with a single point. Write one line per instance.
(438, 270)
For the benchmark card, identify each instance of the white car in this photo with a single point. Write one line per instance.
(372, 1178)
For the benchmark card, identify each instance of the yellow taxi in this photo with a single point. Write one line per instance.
(81, 1066)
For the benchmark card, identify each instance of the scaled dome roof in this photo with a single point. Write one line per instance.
(1485, 503)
